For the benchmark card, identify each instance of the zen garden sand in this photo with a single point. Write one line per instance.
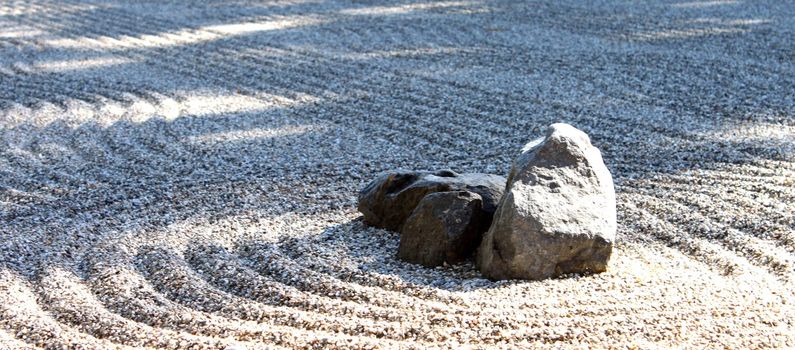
(183, 174)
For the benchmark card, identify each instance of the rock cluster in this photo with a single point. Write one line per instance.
(441, 215)
(557, 215)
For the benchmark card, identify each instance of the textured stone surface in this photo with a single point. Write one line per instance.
(558, 214)
(387, 201)
(445, 227)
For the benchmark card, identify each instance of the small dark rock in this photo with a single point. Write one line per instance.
(445, 227)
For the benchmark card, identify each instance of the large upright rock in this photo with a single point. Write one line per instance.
(558, 213)
(387, 201)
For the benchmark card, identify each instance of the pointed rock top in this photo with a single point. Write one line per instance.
(563, 131)
(563, 146)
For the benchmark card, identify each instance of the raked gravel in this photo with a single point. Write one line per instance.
(183, 174)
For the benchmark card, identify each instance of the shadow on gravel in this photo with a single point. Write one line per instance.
(339, 261)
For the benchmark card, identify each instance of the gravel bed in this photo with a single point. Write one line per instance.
(183, 175)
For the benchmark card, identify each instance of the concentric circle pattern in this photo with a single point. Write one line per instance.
(183, 174)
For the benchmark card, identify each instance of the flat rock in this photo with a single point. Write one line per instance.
(558, 214)
(387, 201)
(445, 227)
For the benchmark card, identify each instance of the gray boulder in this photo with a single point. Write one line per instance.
(445, 227)
(558, 214)
(387, 201)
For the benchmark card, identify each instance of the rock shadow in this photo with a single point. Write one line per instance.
(345, 258)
